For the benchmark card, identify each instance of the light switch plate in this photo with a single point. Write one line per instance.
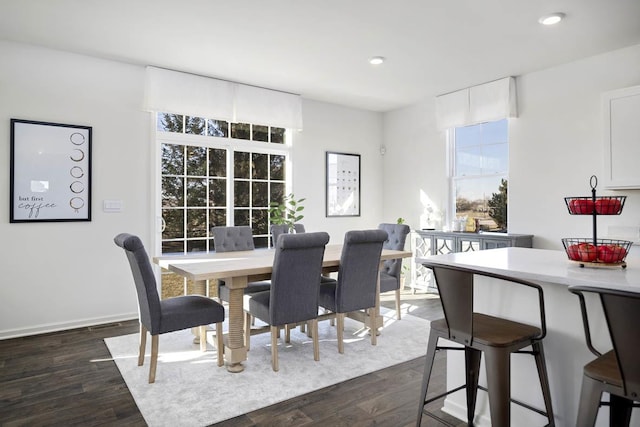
(112, 206)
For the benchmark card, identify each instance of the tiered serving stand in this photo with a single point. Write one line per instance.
(594, 252)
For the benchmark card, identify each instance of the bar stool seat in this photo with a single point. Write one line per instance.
(482, 334)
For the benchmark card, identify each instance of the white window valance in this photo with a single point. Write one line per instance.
(183, 93)
(491, 101)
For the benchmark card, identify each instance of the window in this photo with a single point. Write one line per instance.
(479, 174)
(213, 172)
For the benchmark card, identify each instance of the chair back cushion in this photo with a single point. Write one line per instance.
(295, 279)
(144, 279)
(231, 239)
(358, 272)
(278, 229)
(397, 237)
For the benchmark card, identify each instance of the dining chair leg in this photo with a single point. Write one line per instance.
(590, 396)
(274, 347)
(428, 366)
(203, 337)
(316, 341)
(247, 330)
(472, 367)
(154, 358)
(143, 344)
(340, 331)
(371, 312)
(498, 366)
(220, 343)
(287, 334)
(398, 304)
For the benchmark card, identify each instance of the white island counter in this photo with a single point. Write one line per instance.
(565, 349)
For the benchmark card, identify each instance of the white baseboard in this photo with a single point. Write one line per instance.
(63, 326)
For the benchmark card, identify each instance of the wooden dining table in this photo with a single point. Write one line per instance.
(242, 267)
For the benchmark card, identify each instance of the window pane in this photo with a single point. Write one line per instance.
(217, 217)
(473, 198)
(196, 192)
(218, 192)
(277, 135)
(241, 164)
(260, 194)
(172, 159)
(196, 223)
(260, 133)
(194, 125)
(468, 161)
(495, 159)
(218, 128)
(493, 132)
(241, 196)
(196, 245)
(277, 192)
(217, 162)
(173, 223)
(277, 163)
(241, 130)
(169, 247)
(241, 217)
(467, 136)
(260, 221)
(260, 166)
(172, 191)
(196, 161)
(261, 242)
(170, 122)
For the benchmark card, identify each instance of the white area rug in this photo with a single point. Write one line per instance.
(191, 390)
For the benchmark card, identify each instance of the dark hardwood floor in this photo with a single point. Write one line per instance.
(68, 378)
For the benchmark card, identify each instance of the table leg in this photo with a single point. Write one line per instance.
(235, 351)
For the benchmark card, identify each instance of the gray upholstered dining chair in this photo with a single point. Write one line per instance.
(355, 288)
(231, 239)
(392, 269)
(173, 314)
(293, 296)
(617, 371)
(278, 229)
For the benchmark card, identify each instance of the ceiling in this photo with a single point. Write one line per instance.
(320, 48)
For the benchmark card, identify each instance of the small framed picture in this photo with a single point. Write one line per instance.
(50, 172)
(343, 184)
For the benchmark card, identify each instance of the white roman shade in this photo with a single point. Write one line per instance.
(491, 101)
(183, 93)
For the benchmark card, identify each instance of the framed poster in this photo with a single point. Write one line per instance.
(50, 172)
(343, 184)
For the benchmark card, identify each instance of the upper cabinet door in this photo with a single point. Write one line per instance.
(622, 138)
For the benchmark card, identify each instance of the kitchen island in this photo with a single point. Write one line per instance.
(565, 349)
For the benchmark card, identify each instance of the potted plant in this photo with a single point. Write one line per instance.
(286, 213)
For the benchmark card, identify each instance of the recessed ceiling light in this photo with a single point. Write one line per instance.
(376, 60)
(551, 19)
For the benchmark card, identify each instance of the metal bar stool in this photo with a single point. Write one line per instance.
(478, 333)
(617, 371)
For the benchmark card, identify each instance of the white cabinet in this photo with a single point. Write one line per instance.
(621, 110)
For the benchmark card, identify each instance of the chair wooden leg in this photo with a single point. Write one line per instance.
(220, 343)
(154, 358)
(287, 334)
(247, 330)
(203, 337)
(590, 396)
(398, 304)
(428, 366)
(307, 327)
(620, 411)
(143, 345)
(303, 328)
(371, 312)
(498, 365)
(340, 331)
(274, 347)
(316, 341)
(538, 350)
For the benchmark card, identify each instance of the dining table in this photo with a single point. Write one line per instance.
(239, 268)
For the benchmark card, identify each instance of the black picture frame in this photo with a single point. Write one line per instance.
(50, 172)
(342, 190)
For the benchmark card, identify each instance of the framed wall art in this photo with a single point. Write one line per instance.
(343, 184)
(50, 172)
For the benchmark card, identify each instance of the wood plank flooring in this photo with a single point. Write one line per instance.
(68, 379)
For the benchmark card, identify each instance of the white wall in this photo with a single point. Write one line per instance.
(64, 275)
(555, 146)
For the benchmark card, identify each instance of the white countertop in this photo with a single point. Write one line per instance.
(543, 265)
